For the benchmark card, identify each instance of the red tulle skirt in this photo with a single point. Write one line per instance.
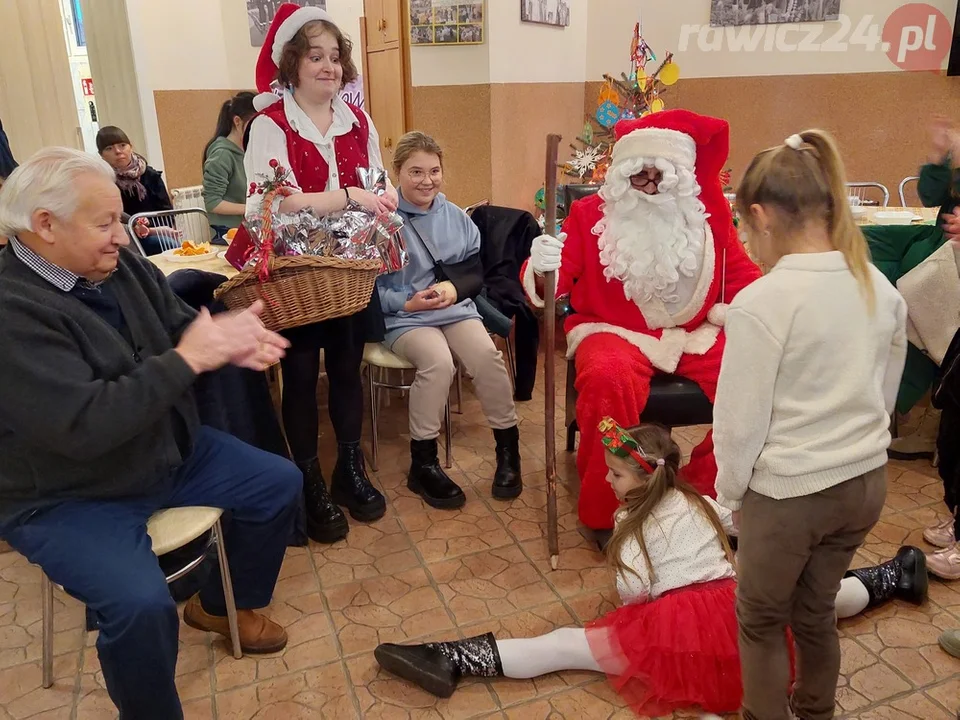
(679, 651)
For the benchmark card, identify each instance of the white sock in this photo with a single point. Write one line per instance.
(563, 649)
(852, 599)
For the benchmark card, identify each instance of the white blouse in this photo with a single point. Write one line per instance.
(683, 546)
(268, 142)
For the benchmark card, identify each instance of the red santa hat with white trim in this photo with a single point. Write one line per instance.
(697, 142)
(286, 23)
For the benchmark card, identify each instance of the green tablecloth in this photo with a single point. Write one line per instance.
(896, 250)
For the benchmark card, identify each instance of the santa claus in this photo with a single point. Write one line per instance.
(650, 264)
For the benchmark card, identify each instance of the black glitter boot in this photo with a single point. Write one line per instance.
(438, 667)
(904, 577)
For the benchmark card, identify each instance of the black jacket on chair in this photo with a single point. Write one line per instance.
(506, 235)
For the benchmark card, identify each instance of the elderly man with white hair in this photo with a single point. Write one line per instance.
(99, 428)
(650, 264)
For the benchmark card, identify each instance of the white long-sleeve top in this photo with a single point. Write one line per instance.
(683, 546)
(267, 142)
(808, 380)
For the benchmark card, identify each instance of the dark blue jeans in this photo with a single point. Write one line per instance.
(100, 553)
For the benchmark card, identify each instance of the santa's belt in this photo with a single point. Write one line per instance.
(664, 353)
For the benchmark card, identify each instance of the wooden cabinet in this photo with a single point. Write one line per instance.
(384, 23)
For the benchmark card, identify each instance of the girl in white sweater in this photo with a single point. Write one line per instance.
(813, 358)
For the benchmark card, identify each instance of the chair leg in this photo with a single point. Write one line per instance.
(374, 397)
(228, 592)
(513, 363)
(448, 435)
(459, 389)
(571, 437)
(46, 590)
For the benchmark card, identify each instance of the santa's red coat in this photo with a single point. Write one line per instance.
(629, 343)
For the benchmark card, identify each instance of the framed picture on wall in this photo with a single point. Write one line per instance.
(260, 14)
(545, 12)
(765, 12)
(446, 22)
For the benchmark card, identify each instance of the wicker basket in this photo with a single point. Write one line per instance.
(303, 289)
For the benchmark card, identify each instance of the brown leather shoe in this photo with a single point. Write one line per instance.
(258, 634)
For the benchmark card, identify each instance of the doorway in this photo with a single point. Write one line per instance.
(81, 78)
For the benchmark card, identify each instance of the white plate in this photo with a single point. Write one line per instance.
(858, 211)
(170, 257)
(894, 217)
(222, 255)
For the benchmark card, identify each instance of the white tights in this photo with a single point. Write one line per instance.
(567, 648)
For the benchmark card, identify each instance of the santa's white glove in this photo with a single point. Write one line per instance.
(545, 253)
(717, 315)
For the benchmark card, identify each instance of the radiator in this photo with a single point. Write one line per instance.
(194, 226)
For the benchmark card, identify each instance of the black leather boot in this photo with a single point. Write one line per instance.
(438, 667)
(428, 479)
(904, 577)
(507, 481)
(351, 487)
(326, 523)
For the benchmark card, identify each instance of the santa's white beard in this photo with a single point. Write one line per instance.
(650, 242)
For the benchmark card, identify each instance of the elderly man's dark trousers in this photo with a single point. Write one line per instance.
(100, 553)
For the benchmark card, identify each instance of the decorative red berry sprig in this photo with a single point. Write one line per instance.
(279, 180)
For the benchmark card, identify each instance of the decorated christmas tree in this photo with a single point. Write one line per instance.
(630, 96)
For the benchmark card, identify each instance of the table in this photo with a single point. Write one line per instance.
(929, 215)
(211, 264)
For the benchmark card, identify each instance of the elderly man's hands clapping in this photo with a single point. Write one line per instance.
(237, 338)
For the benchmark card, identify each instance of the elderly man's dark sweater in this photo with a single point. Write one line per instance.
(86, 412)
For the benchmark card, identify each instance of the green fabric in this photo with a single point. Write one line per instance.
(939, 185)
(896, 250)
(224, 179)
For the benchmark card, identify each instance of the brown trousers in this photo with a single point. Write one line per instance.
(792, 556)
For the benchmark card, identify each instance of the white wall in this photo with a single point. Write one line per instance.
(611, 24)
(202, 45)
(513, 52)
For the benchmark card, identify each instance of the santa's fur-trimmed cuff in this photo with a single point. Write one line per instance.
(529, 282)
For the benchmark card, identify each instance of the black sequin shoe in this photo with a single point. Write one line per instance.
(438, 667)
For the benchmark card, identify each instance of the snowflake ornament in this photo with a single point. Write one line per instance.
(585, 161)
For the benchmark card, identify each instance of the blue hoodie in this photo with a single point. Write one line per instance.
(452, 237)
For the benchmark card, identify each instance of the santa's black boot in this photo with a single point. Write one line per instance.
(438, 667)
(904, 577)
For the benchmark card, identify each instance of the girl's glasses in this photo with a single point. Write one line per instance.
(420, 177)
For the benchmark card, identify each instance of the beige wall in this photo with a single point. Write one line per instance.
(36, 98)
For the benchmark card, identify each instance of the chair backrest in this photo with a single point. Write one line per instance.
(860, 191)
(903, 189)
(572, 193)
(470, 208)
(171, 227)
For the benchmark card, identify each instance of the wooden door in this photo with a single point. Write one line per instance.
(386, 71)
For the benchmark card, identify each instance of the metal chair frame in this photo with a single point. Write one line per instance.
(376, 384)
(46, 591)
(173, 220)
(903, 185)
(867, 185)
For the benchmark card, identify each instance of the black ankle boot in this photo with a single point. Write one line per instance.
(904, 577)
(326, 523)
(507, 481)
(428, 479)
(438, 667)
(351, 487)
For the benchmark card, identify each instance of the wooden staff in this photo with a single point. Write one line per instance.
(550, 331)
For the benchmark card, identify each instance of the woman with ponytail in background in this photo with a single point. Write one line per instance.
(811, 369)
(224, 180)
(673, 643)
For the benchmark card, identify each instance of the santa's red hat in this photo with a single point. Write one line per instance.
(286, 23)
(696, 142)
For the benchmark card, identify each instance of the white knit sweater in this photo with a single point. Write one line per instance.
(808, 381)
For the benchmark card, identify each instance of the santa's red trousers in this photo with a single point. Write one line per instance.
(613, 379)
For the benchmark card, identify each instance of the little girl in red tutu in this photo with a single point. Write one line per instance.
(673, 644)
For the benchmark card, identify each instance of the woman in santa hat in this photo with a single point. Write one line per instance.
(305, 126)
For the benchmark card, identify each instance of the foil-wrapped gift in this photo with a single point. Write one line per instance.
(389, 239)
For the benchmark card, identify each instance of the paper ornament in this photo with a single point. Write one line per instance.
(669, 73)
(585, 161)
(608, 114)
(608, 94)
(657, 105)
(588, 133)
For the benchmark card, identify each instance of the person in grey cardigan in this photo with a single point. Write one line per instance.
(99, 429)
(431, 318)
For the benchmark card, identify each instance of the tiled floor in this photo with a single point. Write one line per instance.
(426, 574)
